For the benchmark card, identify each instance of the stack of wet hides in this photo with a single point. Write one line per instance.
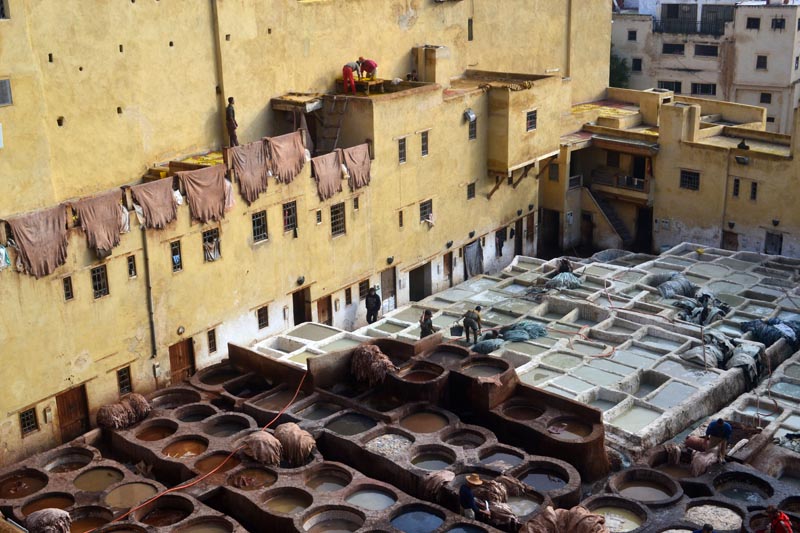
(297, 443)
(575, 520)
(369, 364)
(262, 447)
(48, 521)
(123, 414)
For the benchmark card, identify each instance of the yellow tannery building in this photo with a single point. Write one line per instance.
(97, 95)
(510, 127)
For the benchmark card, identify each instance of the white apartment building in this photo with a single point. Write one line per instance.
(746, 52)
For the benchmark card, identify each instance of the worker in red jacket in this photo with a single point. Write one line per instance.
(778, 521)
(347, 75)
(369, 68)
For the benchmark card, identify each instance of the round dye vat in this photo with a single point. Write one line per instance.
(164, 516)
(372, 499)
(98, 479)
(465, 439)
(679, 471)
(156, 432)
(208, 525)
(223, 460)
(175, 398)
(319, 410)
(619, 519)
(419, 376)
(644, 491)
(127, 495)
(329, 480)
(482, 370)
(87, 523)
(521, 505)
(523, 412)
(501, 457)
(335, 525)
(226, 426)
(185, 448)
(252, 479)
(69, 460)
(466, 528)
(50, 501)
(424, 422)
(417, 521)
(22, 483)
(445, 358)
(288, 501)
(431, 461)
(744, 492)
(569, 429)
(544, 480)
(743, 487)
(219, 376)
(194, 413)
(351, 424)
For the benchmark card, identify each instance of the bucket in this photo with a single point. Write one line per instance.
(456, 330)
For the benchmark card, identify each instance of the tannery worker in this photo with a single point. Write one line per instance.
(469, 507)
(426, 324)
(718, 433)
(347, 75)
(373, 303)
(778, 521)
(472, 322)
(230, 123)
(369, 68)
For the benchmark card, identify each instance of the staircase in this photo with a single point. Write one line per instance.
(613, 218)
(333, 111)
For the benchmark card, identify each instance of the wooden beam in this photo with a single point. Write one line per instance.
(544, 166)
(498, 181)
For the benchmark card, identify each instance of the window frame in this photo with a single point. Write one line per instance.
(635, 35)
(402, 151)
(124, 380)
(28, 422)
(4, 10)
(673, 46)
(736, 187)
(132, 271)
(471, 190)
(671, 85)
(211, 235)
(706, 47)
(400, 218)
(753, 23)
(689, 179)
(778, 24)
(211, 337)
(424, 140)
(704, 89)
(472, 134)
(173, 247)
(765, 98)
(363, 289)
(348, 296)
(759, 58)
(356, 203)
(99, 275)
(637, 64)
(531, 120)
(257, 220)
(338, 219)
(753, 191)
(68, 289)
(425, 209)
(262, 317)
(289, 210)
(7, 83)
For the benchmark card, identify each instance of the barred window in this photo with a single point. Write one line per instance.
(631, 35)
(754, 190)
(363, 289)
(131, 266)
(761, 62)
(471, 191)
(672, 49)
(259, 226)
(706, 50)
(212, 340)
(5, 87)
(263, 317)
(355, 204)
(708, 89)
(766, 98)
(425, 210)
(424, 143)
(348, 296)
(636, 64)
(779, 24)
(27, 421)
(473, 129)
(400, 218)
(674, 86)
(753, 23)
(290, 216)
(100, 281)
(177, 258)
(401, 150)
(735, 187)
(124, 380)
(211, 247)
(690, 180)
(530, 120)
(68, 294)
(338, 220)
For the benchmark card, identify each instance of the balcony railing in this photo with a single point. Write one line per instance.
(622, 181)
(714, 27)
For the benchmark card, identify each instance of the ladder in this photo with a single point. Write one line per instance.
(333, 112)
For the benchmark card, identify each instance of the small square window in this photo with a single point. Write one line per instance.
(263, 317)
(401, 150)
(400, 218)
(363, 289)
(124, 380)
(636, 64)
(5, 87)
(318, 216)
(177, 258)
(348, 296)
(131, 266)
(553, 172)
(212, 340)
(754, 190)
(690, 180)
(674, 86)
(770, 120)
(67, 283)
(211, 248)
(631, 35)
(259, 220)
(100, 281)
(471, 191)
(796, 62)
(779, 24)
(761, 62)
(736, 183)
(706, 50)
(673, 49)
(426, 210)
(530, 120)
(473, 129)
(3, 9)
(424, 143)
(766, 98)
(27, 421)
(705, 89)
(290, 216)
(753, 23)
(355, 203)
(338, 226)
(470, 34)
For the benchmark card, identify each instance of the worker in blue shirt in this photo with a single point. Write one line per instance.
(718, 433)
(469, 507)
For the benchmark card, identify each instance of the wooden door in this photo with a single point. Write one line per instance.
(587, 229)
(388, 290)
(773, 243)
(518, 238)
(73, 413)
(181, 361)
(730, 241)
(301, 306)
(530, 227)
(448, 268)
(324, 315)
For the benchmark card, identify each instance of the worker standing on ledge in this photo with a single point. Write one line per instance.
(230, 123)
(347, 75)
(718, 433)
(369, 68)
